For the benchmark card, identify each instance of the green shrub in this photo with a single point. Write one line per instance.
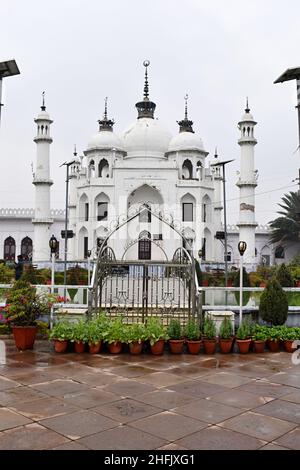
(289, 334)
(225, 329)
(115, 331)
(261, 333)
(155, 330)
(135, 333)
(6, 274)
(192, 330)
(273, 307)
(243, 331)
(79, 331)
(209, 329)
(283, 276)
(174, 329)
(61, 331)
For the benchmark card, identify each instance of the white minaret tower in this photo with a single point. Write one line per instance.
(73, 178)
(41, 180)
(247, 183)
(218, 206)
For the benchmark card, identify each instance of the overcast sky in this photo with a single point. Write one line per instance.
(217, 51)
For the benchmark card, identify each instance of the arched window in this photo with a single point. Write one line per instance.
(101, 205)
(103, 169)
(144, 245)
(188, 204)
(26, 249)
(206, 209)
(279, 252)
(92, 169)
(9, 249)
(187, 170)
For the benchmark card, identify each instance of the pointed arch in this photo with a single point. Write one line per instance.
(188, 204)
(103, 168)
(102, 206)
(91, 169)
(207, 245)
(206, 209)
(83, 207)
(83, 243)
(26, 249)
(187, 170)
(144, 245)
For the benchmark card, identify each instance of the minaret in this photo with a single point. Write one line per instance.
(73, 178)
(218, 205)
(42, 220)
(247, 183)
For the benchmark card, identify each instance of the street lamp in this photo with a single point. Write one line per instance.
(7, 69)
(53, 244)
(242, 246)
(222, 164)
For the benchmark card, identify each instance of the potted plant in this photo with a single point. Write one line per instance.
(24, 305)
(260, 337)
(157, 335)
(273, 306)
(176, 340)
(94, 336)
(274, 336)
(114, 335)
(192, 334)
(79, 335)
(209, 332)
(243, 338)
(288, 336)
(60, 335)
(225, 336)
(135, 335)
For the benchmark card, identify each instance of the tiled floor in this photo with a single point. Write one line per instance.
(51, 401)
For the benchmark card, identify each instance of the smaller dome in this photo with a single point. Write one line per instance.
(247, 117)
(186, 141)
(105, 139)
(43, 116)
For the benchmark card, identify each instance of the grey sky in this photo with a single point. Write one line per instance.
(218, 52)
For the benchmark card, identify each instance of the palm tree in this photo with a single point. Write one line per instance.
(287, 227)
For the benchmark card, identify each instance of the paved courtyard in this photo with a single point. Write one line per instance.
(51, 401)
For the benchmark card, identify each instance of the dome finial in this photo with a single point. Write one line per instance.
(43, 107)
(105, 124)
(146, 107)
(185, 125)
(146, 64)
(247, 110)
(75, 151)
(216, 152)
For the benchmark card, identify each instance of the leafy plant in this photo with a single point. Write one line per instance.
(273, 306)
(225, 329)
(155, 330)
(174, 329)
(274, 333)
(79, 332)
(192, 331)
(135, 333)
(115, 331)
(261, 333)
(61, 331)
(283, 276)
(6, 274)
(24, 305)
(94, 332)
(209, 330)
(289, 334)
(243, 331)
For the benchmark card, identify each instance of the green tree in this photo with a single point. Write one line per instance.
(273, 307)
(283, 276)
(286, 228)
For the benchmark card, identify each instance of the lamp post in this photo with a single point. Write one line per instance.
(89, 252)
(242, 246)
(223, 164)
(7, 69)
(53, 243)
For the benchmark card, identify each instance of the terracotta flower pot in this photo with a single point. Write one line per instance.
(135, 347)
(115, 348)
(60, 346)
(24, 336)
(194, 346)
(243, 345)
(205, 283)
(176, 346)
(210, 346)
(95, 348)
(158, 348)
(225, 345)
(274, 346)
(288, 346)
(79, 347)
(259, 346)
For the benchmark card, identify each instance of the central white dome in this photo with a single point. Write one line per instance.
(186, 141)
(105, 139)
(146, 138)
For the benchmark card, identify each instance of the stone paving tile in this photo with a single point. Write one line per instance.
(198, 388)
(281, 409)
(265, 389)
(123, 437)
(216, 438)
(286, 379)
(226, 379)
(192, 371)
(71, 445)
(30, 437)
(38, 376)
(165, 399)
(60, 387)
(126, 410)
(79, 424)
(293, 397)
(20, 395)
(13, 368)
(90, 398)
(240, 399)
(262, 427)
(128, 388)
(168, 425)
(255, 372)
(161, 379)
(10, 419)
(207, 410)
(273, 447)
(6, 384)
(130, 371)
(98, 378)
(40, 409)
(172, 447)
(290, 440)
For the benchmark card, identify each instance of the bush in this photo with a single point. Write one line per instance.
(6, 274)
(243, 331)
(283, 276)
(155, 330)
(135, 333)
(174, 329)
(61, 331)
(273, 307)
(209, 330)
(192, 330)
(225, 329)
